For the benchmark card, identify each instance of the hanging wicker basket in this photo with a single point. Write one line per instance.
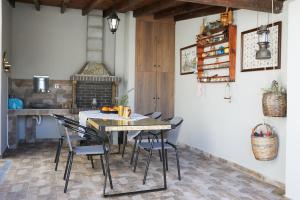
(274, 104)
(264, 147)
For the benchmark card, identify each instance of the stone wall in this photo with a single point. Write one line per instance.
(60, 95)
(86, 91)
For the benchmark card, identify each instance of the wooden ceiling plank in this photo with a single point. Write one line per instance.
(12, 3)
(200, 13)
(189, 7)
(90, 6)
(156, 7)
(37, 5)
(257, 5)
(63, 6)
(123, 6)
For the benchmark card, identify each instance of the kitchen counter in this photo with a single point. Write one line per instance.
(38, 112)
(32, 116)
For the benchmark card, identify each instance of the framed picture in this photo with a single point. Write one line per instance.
(249, 47)
(188, 59)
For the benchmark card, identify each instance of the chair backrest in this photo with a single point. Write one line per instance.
(60, 127)
(173, 134)
(67, 128)
(155, 115)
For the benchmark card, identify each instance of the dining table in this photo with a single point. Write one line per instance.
(109, 123)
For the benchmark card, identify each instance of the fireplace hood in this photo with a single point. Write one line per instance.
(94, 70)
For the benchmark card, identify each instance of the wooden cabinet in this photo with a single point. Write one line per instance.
(155, 49)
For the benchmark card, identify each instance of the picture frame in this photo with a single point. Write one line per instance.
(188, 59)
(249, 47)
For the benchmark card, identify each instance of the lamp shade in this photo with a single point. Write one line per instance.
(113, 21)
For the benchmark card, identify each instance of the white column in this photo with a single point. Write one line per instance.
(293, 116)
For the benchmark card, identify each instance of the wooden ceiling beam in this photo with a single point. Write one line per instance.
(156, 7)
(63, 6)
(123, 6)
(200, 13)
(90, 6)
(257, 5)
(189, 7)
(37, 5)
(12, 3)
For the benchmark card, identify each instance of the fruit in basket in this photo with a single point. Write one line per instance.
(105, 108)
(116, 108)
(111, 110)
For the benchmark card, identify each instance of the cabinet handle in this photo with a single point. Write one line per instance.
(157, 97)
(154, 98)
(154, 65)
(158, 66)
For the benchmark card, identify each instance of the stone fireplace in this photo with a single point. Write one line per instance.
(94, 81)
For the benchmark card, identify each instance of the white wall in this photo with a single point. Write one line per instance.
(293, 133)
(220, 128)
(47, 42)
(6, 46)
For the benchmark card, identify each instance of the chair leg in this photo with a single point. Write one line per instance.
(133, 150)
(160, 158)
(92, 162)
(69, 172)
(108, 171)
(57, 149)
(67, 165)
(178, 165)
(148, 163)
(58, 152)
(136, 159)
(102, 165)
(124, 143)
(166, 156)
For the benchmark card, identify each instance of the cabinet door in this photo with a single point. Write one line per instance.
(145, 46)
(145, 92)
(165, 47)
(165, 94)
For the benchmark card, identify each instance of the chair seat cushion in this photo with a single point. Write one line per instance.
(89, 150)
(76, 138)
(156, 145)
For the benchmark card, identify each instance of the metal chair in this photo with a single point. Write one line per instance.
(61, 139)
(134, 135)
(92, 150)
(155, 144)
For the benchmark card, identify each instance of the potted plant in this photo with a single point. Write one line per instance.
(274, 101)
(123, 102)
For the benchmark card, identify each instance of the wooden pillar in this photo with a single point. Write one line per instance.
(114, 93)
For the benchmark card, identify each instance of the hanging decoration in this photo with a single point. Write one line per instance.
(227, 95)
(263, 43)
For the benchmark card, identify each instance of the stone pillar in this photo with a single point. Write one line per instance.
(30, 129)
(12, 132)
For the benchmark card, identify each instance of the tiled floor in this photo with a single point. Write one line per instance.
(31, 176)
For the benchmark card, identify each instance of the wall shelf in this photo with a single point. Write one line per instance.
(229, 33)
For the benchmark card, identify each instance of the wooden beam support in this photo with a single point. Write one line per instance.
(200, 13)
(63, 6)
(123, 6)
(37, 5)
(12, 3)
(90, 6)
(257, 5)
(189, 7)
(156, 7)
